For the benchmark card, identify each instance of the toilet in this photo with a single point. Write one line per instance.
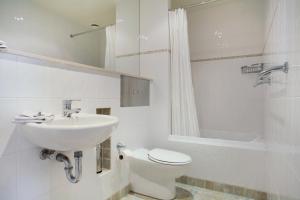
(153, 172)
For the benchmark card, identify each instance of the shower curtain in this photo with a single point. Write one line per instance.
(110, 47)
(184, 113)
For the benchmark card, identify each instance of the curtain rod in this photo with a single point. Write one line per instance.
(89, 31)
(197, 4)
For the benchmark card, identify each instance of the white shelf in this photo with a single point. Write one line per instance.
(59, 63)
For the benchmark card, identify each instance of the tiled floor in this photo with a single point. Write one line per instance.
(187, 192)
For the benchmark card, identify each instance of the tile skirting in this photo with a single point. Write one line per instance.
(120, 194)
(280, 197)
(220, 187)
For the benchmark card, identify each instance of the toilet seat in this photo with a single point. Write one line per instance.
(167, 157)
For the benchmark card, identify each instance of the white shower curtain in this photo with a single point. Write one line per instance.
(184, 114)
(110, 47)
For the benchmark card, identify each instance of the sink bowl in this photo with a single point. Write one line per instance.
(71, 134)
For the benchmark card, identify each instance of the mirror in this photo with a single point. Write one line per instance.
(102, 34)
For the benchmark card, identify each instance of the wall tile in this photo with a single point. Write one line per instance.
(154, 28)
(282, 103)
(33, 179)
(8, 180)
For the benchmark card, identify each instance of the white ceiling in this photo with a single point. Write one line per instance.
(85, 12)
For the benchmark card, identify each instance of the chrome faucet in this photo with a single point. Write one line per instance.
(67, 108)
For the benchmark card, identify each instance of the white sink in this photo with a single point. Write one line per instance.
(71, 134)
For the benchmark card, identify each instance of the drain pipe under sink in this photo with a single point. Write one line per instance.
(53, 155)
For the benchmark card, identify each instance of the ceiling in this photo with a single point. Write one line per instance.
(85, 12)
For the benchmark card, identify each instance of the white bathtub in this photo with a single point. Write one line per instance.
(231, 135)
(255, 143)
(234, 162)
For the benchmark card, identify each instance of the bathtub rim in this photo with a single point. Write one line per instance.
(247, 145)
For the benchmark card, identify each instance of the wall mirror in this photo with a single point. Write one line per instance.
(103, 34)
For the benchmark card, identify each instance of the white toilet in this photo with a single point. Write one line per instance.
(153, 172)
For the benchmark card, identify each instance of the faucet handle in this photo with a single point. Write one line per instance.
(67, 107)
(70, 100)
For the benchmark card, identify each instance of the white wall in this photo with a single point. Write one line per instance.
(47, 33)
(127, 37)
(282, 100)
(156, 65)
(228, 105)
(27, 85)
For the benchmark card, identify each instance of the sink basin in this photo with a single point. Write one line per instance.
(71, 134)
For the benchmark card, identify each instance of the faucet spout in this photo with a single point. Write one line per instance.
(67, 108)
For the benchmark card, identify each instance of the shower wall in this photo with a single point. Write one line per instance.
(282, 101)
(221, 42)
(228, 105)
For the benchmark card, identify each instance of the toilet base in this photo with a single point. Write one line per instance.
(162, 189)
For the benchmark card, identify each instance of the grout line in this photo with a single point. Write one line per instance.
(227, 57)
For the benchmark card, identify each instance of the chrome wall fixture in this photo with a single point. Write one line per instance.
(264, 73)
(265, 76)
(67, 108)
(2, 45)
(53, 155)
(254, 68)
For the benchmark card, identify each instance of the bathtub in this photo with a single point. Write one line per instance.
(224, 139)
(235, 162)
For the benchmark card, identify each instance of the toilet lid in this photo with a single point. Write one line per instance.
(169, 157)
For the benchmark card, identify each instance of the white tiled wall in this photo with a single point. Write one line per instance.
(154, 27)
(282, 100)
(228, 105)
(27, 85)
(128, 27)
(127, 37)
(156, 65)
